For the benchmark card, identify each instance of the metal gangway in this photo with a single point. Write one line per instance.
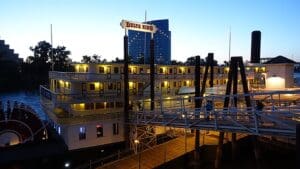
(278, 117)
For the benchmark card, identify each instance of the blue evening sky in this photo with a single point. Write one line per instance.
(89, 27)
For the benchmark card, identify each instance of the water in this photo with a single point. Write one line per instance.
(297, 78)
(31, 99)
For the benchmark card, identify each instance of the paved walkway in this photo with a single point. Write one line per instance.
(160, 154)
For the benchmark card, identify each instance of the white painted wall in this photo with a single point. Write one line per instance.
(283, 70)
(70, 134)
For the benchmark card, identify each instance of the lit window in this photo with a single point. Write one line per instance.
(59, 130)
(99, 130)
(82, 133)
(116, 128)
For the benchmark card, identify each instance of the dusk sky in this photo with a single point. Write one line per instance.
(88, 27)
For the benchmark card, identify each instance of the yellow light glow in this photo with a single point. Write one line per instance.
(81, 106)
(188, 82)
(263, 69)
(164, 69)
(275, 83)
(289, 95)
(256, 69)
(77, 68)
(247, 68)
(165, 83)
(97, 84)
(130, 85)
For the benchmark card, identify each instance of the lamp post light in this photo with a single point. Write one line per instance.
(137, 142)
(67, 164)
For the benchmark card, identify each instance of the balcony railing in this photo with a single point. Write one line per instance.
(48, 95)
(86, 77)
(88, 118)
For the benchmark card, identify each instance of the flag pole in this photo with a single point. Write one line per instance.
(52, 64)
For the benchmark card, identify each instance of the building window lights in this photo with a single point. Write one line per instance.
(82, 133)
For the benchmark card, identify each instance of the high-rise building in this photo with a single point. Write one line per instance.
(139, 44)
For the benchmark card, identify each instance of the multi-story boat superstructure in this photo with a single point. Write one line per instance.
(86, 105)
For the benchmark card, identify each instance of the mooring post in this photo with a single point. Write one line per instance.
(234, 92)
(197, 106)
(256, 150)
(219, 151)
(233, 146)
(152, 72)
(126, 94)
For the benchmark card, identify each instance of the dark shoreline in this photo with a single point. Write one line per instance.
(272, 157)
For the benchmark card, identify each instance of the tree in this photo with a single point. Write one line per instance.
(175, 62)
(86, 59)
(191, 61)
(35, 71)
(61, 58)
(41, 53)
(92, 59)
(117, 60)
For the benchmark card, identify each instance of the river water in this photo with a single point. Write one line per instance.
(31, 99)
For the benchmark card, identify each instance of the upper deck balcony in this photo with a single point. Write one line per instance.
(91, 77)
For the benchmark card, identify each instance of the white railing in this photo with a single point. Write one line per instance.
(278, 117)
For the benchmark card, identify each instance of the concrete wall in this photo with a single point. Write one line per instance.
(283, 70)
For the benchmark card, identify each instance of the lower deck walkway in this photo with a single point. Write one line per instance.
(162, 153)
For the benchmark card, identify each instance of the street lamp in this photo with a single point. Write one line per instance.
(137, 142)
(67, 164)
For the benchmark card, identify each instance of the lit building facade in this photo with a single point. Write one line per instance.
(139, 44)
(86, 106)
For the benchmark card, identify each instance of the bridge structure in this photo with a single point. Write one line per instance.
(278, 117)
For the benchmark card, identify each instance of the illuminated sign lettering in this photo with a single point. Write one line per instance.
(136, 26)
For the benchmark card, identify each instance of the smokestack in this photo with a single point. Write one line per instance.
(255, 47)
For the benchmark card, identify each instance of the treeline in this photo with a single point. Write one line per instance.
(33, 72)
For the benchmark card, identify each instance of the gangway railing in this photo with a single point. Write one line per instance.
(278, 117)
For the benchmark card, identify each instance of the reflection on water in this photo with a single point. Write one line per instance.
(31, 99)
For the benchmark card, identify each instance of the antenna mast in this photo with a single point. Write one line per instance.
(52, 65)
(145, 37)
(229, 50)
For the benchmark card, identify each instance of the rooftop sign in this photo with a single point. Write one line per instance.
(137, 26)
